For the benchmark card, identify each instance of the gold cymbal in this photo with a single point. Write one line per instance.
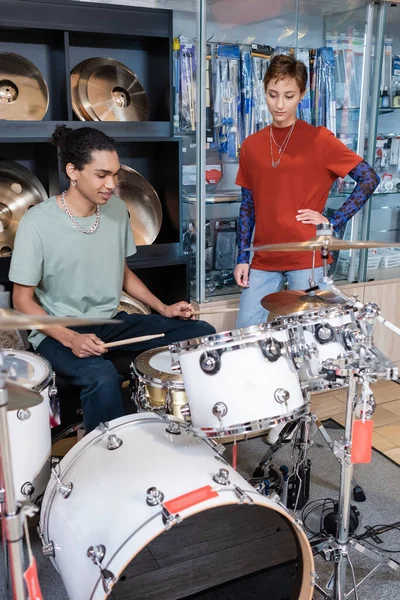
(11, 319)
(133, 306)
(319, 242)
(143, 204)
(19, 190)
(24, 95)
(78, 91)
(292, 301)
(21, 398)
(112, 91)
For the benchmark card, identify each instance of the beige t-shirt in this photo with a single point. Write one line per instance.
(75, 274)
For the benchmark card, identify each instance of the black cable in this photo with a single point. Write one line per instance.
(309, 508)
(377, 530)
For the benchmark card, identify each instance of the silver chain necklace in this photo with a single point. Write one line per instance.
(282, 148)
(75, 222)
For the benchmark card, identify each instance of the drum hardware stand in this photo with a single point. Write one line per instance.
(12, 515)
(337, 549)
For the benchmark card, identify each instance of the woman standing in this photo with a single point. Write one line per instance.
(286, 171)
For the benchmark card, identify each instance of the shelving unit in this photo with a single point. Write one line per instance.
(56, 35)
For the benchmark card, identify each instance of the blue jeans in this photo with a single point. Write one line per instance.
(97, 377)
(262, 283)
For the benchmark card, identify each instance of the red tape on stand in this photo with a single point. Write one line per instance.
(180, 503)
(361, 447)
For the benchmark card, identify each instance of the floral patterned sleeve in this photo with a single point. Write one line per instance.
(247, 220)
(367, 181)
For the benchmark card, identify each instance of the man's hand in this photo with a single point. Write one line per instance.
(87, 344)
(241, 275)
(311, 217)
(183, 310)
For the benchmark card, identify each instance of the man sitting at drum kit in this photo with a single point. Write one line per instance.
(69, 261)
(286, 171)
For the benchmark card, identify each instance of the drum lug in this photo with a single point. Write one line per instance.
(155, 498)
(27, 489)
(222, 477)
(64, 489)
(243, 497)
(24, 415)
(96, 555)
(48, 550)
(2, 495)
(185, 410)
(220, 410)
(173, 428)
(271, 349)
(210, 363)
(281, 396)
(53, 391)
(113, 442)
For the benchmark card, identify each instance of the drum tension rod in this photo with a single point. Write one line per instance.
(156, 498)
(97, 554)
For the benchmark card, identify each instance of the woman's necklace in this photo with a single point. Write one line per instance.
(75, 222)
(281, 148)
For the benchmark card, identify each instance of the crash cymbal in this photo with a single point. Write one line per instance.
(143, 204)
(78, 91)
(24, 95)
(21, 398)
(19, 190)
(133, 306)
(112, 91)
(11, 319)
(319, 242)
(291, 301)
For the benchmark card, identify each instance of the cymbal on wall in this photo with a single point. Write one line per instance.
(24, 95)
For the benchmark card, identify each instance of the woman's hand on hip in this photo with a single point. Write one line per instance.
(311, 217)
(241, 275)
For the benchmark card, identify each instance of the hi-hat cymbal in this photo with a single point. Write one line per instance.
(143, 204)
(288, 302)
(21, 398)
(19, 190)
(11, 319)
(24, 95)
(111, 91)
(319, 242)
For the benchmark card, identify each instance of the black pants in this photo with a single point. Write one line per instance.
(98, 379)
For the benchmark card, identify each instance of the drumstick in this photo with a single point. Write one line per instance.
(141, 338)
(206, 311)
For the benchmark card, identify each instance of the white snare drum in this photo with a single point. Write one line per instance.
(208, 519)
(158, 387)
(29, 431)
(240, 381)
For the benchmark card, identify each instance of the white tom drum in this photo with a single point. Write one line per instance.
(29, 430)
(161, 516)
(240, 381)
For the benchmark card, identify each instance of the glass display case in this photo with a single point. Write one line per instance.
(220, 56)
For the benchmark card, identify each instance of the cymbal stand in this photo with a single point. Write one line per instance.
(12, 511)
(337, 550)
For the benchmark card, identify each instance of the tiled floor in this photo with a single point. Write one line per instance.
(386, 417)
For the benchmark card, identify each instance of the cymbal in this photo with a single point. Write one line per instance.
(143, 204)
(78, 91)
(19, 190)
(112, 91)
(320, 241)
(288, 302)
(11, 319)
(24, 95)
(21, 398)
(133, 306)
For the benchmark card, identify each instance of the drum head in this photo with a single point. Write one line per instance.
(239, 548)
(155, 365)
(28, 369)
